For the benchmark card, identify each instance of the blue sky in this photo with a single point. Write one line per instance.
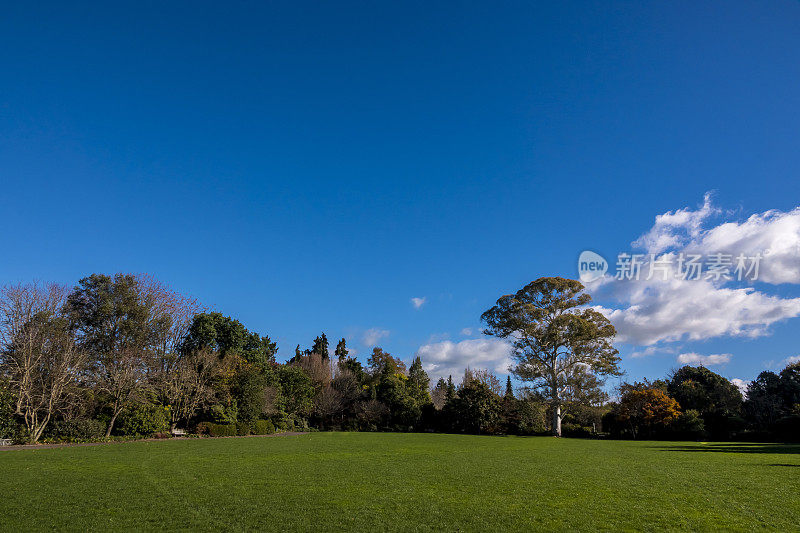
(307, 166)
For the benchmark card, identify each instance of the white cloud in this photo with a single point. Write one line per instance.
(674, 310)
(675, 228)
(418, 302)
(466, 332)
(442, 359)
(775, 235)
(792, 360)
(373, 335)
(668, 309)
(692, 358)
(742, 385)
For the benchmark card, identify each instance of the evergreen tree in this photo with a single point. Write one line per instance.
(227, 336)
(510, 410)
(320, 346)
(341, 350)
(477, 409)
(451, 389)
(298, 354)
(509, 389)
(419, 381)
(560, 345)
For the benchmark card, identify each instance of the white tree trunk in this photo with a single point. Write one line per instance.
(557, 420)
(556, 408)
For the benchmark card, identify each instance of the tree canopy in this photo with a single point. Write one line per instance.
(558, 343)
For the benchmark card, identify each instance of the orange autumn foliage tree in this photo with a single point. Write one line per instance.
(647, 409)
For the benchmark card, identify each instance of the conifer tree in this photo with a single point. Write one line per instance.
(419, 381)
(341, 350)
(320, 346)
(451, 389)
(509, 389)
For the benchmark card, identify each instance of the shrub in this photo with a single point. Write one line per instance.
(144, 420)
(263, 427)
(576, 430)
(242, 429)
(284, 422)
(223, 430)
(216, 430)
(78, 429)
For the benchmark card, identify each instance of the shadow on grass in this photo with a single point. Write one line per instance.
(737, 448)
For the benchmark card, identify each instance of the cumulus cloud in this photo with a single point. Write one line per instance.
(692, 358)
(668, 308)
(676, 228)
(442, 359)
(673, 310)
(742, 385)
(372, 336)
(775, 235)
(418, 302)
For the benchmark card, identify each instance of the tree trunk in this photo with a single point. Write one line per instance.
(39, 430)
(557, 420)
(111, 424)
(556, 407)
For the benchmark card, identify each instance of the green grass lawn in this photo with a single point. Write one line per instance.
(374, 481)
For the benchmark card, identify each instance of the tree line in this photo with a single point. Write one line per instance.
(124, 356)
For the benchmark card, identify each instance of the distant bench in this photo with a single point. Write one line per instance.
(6, 442)
(179, 432)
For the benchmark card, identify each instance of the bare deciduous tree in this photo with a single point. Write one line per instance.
(371, 412)
(317, 368)
(181, 376)
(483, 376)
(185, 382)
(327, 403)
(39, 353)
(346, 382)
(439, 396)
